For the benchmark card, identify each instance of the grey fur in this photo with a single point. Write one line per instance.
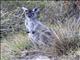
(42, 36)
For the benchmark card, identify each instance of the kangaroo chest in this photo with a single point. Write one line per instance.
(31, 25)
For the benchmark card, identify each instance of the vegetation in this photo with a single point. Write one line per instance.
(62, 16)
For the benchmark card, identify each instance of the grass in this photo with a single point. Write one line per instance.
(69, 33)
(12, 45)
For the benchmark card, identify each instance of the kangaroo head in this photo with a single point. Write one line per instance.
(31, 13)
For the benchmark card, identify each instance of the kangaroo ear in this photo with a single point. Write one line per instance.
(36, 10)
(24, 9)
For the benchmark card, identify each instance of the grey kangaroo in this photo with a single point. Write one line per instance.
(39, 34)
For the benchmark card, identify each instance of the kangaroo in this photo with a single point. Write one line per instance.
(39, 34)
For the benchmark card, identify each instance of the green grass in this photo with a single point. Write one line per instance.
(14, 45)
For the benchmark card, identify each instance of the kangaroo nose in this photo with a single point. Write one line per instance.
(30, 15)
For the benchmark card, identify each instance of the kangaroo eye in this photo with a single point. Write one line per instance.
(26, 11)
(35, 9)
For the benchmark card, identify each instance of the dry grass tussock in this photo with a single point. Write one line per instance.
(13, 45)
